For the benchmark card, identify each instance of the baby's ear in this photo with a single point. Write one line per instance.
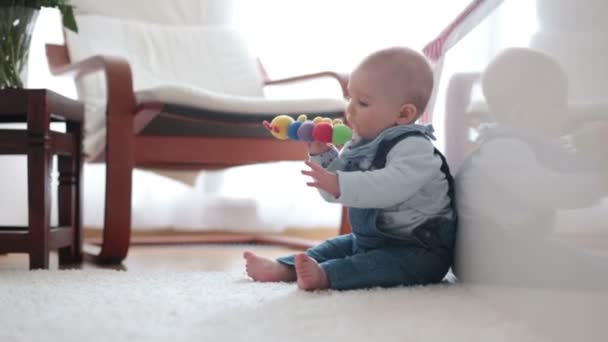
(407, 114)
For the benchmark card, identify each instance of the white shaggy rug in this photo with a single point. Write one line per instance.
(103, 305)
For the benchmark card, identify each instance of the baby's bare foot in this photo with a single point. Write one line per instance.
(265, 270)
(310, 274)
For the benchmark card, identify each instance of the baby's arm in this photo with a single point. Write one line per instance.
(409, 166)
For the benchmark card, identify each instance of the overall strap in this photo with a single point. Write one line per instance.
(385, 147)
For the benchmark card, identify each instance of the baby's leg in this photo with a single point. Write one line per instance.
(265, 270)
(334, 248)
(386, 267)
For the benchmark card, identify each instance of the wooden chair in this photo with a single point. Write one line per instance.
(170, 126)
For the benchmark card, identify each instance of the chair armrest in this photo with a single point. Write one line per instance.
(119, 156)
(342, 79)
(119, 79)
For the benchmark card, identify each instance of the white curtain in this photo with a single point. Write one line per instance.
(303, 36)
(290, 38)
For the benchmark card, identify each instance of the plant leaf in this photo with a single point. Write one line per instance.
(69, 21)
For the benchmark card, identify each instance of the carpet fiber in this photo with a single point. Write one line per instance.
(102, 305)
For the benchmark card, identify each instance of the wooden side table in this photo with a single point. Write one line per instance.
(38, 108)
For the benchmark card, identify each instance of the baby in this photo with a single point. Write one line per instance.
(397, 187)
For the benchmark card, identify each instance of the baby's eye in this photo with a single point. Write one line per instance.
(363, 103)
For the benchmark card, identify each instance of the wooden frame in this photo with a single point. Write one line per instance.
(37, 108)
(125, 149)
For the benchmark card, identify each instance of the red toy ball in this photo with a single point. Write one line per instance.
(322, 132)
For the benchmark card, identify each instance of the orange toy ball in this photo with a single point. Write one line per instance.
(322, 132)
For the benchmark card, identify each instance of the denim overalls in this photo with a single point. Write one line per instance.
(369, 257)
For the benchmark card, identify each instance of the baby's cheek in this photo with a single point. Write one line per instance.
(349, 116)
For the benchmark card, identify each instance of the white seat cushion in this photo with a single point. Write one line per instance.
(174, 12)
(182, 96)
(209, 57)
(201, 98)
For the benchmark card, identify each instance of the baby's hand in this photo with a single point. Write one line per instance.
(323, 179)
(316, 147)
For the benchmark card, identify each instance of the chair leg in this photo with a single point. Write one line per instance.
(117, 222)
(119, 169)
(344, 222)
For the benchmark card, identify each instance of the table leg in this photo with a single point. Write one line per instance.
(39, 171)
(69, 168)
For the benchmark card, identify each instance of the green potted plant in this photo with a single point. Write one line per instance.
(17, 20)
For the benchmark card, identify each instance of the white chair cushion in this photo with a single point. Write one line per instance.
(174, 12)
(201, 98)
(210, 57)
(160, 55)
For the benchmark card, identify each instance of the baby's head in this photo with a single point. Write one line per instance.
(526, 90)
(389, 87)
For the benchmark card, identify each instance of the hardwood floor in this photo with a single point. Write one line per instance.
(167, 258)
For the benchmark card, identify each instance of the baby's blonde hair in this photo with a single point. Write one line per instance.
(406, 71)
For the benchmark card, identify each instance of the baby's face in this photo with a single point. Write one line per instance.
(371, 108)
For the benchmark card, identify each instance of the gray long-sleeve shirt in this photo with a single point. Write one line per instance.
(410, 189)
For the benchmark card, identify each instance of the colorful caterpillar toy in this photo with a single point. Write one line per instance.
(320, 129)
